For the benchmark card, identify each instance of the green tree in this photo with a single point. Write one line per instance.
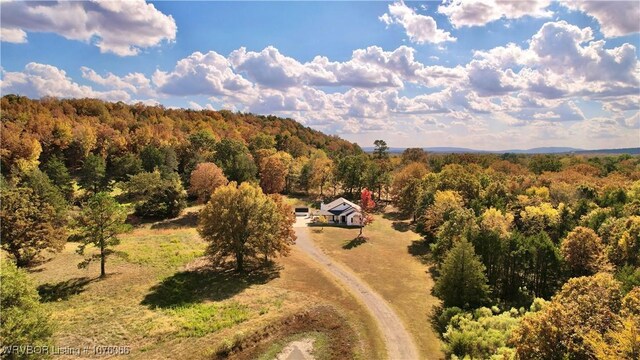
(25, 321)
(151, 158)
(351, 170)
(462, 281)
(100, 222)
(29, 225)
(235, 160)
(262, 141)
(92, 176)
(44, 188)
(156, 196)
(242, 222)
(541, 163)
(59, 175)
(381, 150)
(122, 167)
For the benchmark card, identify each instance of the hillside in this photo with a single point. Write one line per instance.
(76, 127)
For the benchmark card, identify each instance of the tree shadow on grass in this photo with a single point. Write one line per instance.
(402, 226)
(215, 284)
(395, 216)
(64, 289)
(420, 249)
(354, 243)
(189, 220)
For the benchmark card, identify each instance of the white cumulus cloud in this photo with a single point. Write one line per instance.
(616, 18)
(481, 12)
(39, 80)
(420, 28)
(119, 27)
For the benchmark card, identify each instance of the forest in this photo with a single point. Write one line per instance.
(533, 256)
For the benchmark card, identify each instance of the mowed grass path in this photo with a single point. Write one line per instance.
(158, 301)
(385, 263)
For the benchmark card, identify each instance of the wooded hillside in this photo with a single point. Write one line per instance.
(74, 128)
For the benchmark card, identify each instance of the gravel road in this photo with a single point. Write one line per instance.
(400, 345)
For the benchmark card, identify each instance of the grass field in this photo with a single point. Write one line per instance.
(161, 299)
(388, 262)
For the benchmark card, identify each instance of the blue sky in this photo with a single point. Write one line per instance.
(478, 74)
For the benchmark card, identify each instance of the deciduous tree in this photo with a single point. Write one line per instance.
(584, 305)
(240, 221)
(273, 174)
(156, 196)
(583, 251)
(29, 225)
(205, 179)
(25, 321)
(366, 206)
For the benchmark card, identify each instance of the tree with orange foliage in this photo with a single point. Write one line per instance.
(205, 179)
(366, 207)
(274, 170)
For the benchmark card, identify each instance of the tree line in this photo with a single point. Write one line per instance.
(535, 257)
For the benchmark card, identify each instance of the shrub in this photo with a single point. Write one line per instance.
(24, 319)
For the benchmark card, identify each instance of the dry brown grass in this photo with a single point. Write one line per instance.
(121, 310)
(384, 262)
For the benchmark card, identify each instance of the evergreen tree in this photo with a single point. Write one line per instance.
(59, 175)
(100, 222)
(462, 281)
(92, 175)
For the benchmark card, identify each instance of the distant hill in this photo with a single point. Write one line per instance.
(538, 150)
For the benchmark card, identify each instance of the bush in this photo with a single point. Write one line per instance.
(155, 196)
(482, 335)
(24, 319)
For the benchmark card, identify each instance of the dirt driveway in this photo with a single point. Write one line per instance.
(399, 343)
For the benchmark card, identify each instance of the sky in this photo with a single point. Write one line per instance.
(483, 74)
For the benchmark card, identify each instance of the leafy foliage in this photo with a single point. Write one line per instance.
(366, 206)
(25, 321)
(242, 222)
(155, 196)
(29, 225)
(204, 180)
(585, 305)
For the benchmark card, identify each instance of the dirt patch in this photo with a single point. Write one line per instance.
(323, 319)
(297, 350)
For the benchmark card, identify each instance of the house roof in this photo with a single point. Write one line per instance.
(339, 201)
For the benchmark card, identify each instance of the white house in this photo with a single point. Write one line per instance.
(341, 211)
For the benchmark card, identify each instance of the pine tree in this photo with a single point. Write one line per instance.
(100, 222)
(462, 280)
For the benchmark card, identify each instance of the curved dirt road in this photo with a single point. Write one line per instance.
(400, 345)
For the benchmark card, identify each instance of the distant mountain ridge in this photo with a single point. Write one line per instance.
(538, 150)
